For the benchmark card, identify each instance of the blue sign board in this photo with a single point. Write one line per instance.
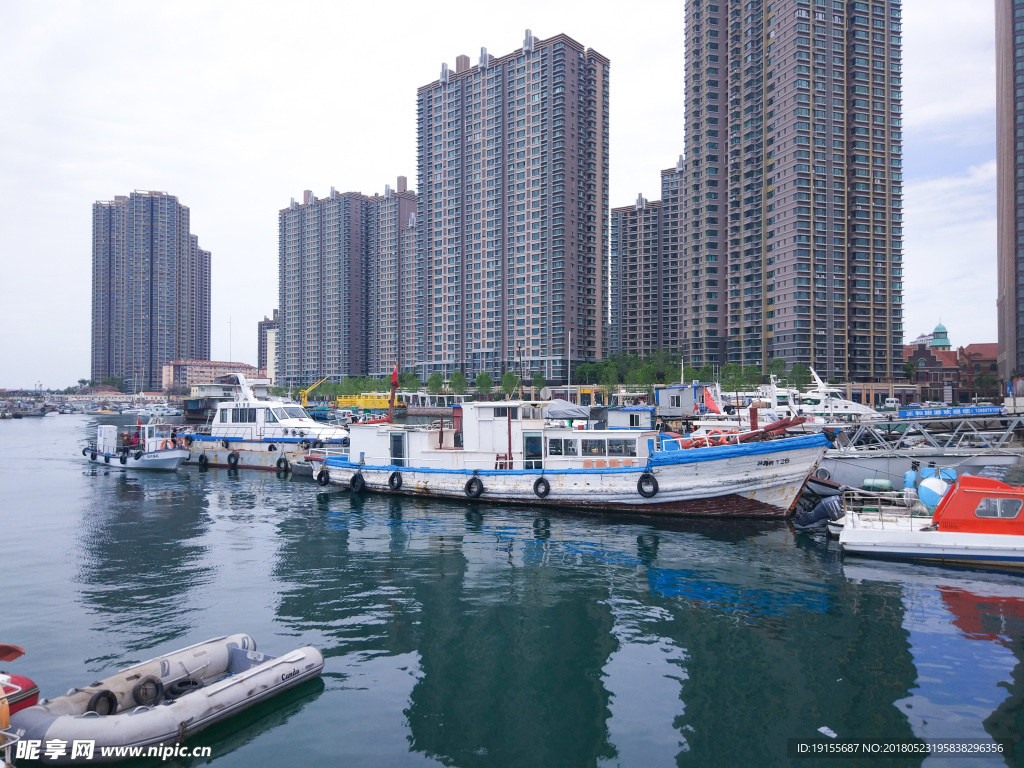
(923, 413)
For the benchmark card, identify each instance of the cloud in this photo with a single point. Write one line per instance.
(950, 266)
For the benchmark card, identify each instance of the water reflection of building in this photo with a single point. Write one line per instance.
(143, 558)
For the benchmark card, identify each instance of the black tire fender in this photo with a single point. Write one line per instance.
(395, 481)
(102, 703)
(92, 455)
(123, 459)
(541, 487)
(138, 455)
(203, 461)
(344, 442)
(318, 444)
(282, 463)
(474, 487)
(323, 477)
(106, 459)
(272, 448)
(357, 483)
(188, 439)
(647, 485)
(181, 687)
(225, 443)
(233, 460)
(148, 692)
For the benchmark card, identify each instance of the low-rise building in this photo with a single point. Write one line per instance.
(184, 373)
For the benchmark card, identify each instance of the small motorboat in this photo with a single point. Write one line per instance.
(977, 521)
(156, 446)
(168, 698)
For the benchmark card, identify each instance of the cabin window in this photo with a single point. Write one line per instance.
(295, 412)
(1002, 508)
(269, 417)
(502, 413)
(673, 401)
(622, 447)
(558, 446)
(224, 416)
(594, 448)
(279, 414)
(634, 419)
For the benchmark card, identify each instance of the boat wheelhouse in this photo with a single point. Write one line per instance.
(509, 451)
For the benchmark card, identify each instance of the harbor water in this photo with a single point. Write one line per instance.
(472, 634)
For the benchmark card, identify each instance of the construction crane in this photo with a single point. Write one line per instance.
(304, 393)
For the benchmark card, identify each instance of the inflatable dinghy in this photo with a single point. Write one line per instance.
(168, 698)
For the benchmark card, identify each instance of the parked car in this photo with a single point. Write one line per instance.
(932, 404)
(891, 402)
(915, 405)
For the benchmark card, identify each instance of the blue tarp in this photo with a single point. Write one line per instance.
(695, 455)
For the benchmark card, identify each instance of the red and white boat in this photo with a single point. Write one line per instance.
(978, 521)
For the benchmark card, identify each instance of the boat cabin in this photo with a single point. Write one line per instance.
(981, 505)
(508, 434)
(631, 417)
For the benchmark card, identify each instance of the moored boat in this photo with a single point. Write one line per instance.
(509, 452)
(147, 446)
(168, 698)
(976, 521)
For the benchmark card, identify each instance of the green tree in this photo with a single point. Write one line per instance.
(706, 374)
(83, 383)
(585, 373)
(732, 377)
(435, 383)
(690, 374)
(984, 384)
(114, 381)
(777, 366)
(539, 381)
(752, 376)
(910, 369)
(409, 381)
(509, 382)
(458, 382)
(799, 376)
(484, 385)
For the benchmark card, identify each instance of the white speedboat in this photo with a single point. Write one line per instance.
(167, 699)
(149, 446)
(508, 452)
(249, 432)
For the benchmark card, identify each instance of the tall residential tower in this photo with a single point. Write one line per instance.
(1010, 185)
(792, 223)
(150, 289)
(513, 209)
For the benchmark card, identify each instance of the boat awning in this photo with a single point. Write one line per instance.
(563, 409)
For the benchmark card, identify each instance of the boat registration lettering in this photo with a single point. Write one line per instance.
(772, 462)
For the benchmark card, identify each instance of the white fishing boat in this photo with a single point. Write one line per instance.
(148, 446)
(526, 452)
(167, 699)
(250, 432)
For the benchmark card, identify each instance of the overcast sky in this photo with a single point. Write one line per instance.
(237, 107)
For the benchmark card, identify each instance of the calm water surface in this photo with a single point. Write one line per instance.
(480, 635)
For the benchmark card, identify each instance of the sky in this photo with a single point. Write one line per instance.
(236, 107)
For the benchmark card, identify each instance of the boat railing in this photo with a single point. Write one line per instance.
(884, 505)
(7, 741)
(321, 455)
(251, 432)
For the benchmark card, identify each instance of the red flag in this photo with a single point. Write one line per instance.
(709, 401)
(394, 376)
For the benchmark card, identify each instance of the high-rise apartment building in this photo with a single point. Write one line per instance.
(263, 349)
(649, 285)
(1010, 185)
(323, 247)
(792, 216)
(150, 289)
(395, 291)
(513, 210)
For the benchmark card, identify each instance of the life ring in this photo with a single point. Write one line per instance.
(138, 455)
(148, 692)
(123, 459)
(166, 445)
(395, 481)
(822, 474)
(282, 463)
(541, 487)
(647, 485)
(203, 461)
(323, 477)
(102, 703)
(233, 460)
(180, 687)
(357, 483)
(474, 487)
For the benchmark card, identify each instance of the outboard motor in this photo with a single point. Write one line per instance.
(827, 510)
